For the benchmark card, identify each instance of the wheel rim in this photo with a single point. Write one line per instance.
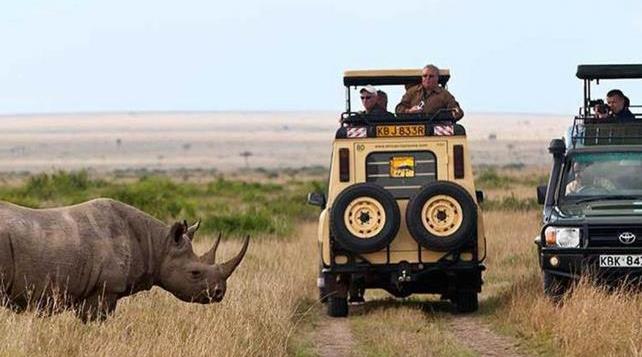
(364, 217)
(442, 215)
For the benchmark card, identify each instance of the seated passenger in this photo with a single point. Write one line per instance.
(580, 181)
(428, 97)
(370, 100)
(617, 107)
(382, 101)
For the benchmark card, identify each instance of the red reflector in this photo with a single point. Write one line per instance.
(458, 158)
(344, 165)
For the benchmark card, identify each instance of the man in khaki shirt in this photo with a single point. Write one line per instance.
(428, 97)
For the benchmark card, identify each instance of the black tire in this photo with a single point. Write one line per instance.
(386, 230)
(555, 286)
(466, 302)
(462, 232)
(337, 306)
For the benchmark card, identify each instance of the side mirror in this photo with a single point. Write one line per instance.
(480, 196)
(316, 199)
(541, 194)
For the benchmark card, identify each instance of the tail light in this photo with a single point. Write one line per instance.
(458, 161)
(344, 165)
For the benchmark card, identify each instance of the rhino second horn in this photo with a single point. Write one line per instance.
(228, 267)
(210, 256)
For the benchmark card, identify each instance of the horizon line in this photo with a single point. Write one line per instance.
(288, 111)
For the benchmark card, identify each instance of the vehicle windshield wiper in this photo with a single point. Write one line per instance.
(606, 198)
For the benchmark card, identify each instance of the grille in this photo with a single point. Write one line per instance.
(607, 236)
(378, 171)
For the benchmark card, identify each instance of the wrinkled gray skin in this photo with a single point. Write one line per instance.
(90, 255)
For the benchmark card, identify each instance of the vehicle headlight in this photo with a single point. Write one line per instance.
(563, 237)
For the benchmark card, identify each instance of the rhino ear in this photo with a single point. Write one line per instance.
(177, 231)
(191, 230)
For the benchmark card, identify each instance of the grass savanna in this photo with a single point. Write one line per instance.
(271, 307)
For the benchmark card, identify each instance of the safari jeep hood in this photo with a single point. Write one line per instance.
(603, 208)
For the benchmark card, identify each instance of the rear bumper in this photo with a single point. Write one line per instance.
(405, 278)
(574, 263)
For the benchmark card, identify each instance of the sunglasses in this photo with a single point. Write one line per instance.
(366, 97)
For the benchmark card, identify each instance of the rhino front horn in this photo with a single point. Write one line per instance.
(228, 267)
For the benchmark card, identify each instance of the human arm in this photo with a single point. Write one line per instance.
(456, 111)
(406, 103)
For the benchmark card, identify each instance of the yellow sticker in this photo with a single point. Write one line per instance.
(402, 166)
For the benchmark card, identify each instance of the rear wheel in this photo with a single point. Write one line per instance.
(337, 306)
(466, 302)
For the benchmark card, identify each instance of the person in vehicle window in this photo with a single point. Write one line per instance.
(372, 101)
(382, 99)
(369, 99)
(428, 97)
(617, 107)
(382, 102)
(580, 181)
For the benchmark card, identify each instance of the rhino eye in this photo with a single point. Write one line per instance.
(196, 274)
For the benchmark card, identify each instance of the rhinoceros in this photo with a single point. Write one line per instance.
(89, 255)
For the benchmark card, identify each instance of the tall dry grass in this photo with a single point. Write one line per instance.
(257, 317)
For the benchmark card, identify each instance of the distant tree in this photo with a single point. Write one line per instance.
(245, 155)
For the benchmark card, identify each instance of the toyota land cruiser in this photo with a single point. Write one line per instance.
(592, 219)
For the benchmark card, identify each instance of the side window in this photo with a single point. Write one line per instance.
(401, 172)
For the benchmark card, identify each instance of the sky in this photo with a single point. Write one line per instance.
(123, 55)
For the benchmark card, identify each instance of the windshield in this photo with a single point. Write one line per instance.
(592, 176)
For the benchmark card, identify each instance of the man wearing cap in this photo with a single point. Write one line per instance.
(428, 97)
(369, 99)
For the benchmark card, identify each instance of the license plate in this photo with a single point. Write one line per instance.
(402, 166)
(620, 261)
(400, 130)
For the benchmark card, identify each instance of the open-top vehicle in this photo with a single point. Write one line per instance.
(592, 221)
(401, 212)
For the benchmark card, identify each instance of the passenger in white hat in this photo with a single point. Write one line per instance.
(370, 100)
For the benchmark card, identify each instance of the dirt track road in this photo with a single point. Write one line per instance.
(475, 334)
(334, 338)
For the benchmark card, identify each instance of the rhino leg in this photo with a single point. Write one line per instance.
(96, 307)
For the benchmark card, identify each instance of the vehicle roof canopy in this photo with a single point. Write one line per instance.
(379, 77)
(609, 71)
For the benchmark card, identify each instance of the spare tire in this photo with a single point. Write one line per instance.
(364, 218)
(442, 216)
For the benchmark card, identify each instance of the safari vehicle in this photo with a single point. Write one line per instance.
(401, 211)
(592, 219)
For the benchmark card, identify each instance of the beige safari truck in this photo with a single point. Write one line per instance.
(401, 212)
